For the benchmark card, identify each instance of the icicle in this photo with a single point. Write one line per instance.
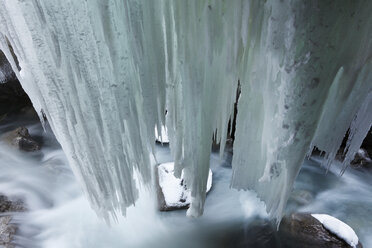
(77, 65)
(359, 129)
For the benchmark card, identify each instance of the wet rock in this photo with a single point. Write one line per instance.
(7, 231)
(7, 205)
(302, 230)
(21, 139)
(172, 192)
(7, 228)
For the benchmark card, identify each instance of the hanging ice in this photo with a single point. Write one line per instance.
(106, 72)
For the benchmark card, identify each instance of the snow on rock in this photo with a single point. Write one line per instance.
(174, 192)
(163, 136)
(339, 228)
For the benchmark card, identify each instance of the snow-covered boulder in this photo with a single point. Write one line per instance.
(172, 192)
(338, 228)
(320, 231)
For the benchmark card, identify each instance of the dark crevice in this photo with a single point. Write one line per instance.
(13, 98)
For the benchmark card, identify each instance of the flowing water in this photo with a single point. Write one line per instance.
(59, 215)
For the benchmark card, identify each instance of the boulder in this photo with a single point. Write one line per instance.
(7, 205)
(21, 139)
(303, 230)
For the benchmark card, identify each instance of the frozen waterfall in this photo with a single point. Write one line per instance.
(106, 72)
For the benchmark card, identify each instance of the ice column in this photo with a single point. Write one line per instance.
(79, 69)
(306, 74)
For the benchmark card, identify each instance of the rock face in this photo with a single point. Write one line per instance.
(173, 192)
(7, 228)
(12, 96)
(21, 139)
(302, 230)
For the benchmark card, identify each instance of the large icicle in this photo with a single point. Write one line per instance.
(303, 77)
(79, 70)
(202, 85)
(105, 73)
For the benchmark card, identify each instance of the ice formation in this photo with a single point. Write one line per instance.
(338, 228)
(104, 73)
(162, 137)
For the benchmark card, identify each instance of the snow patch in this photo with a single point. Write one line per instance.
(339, 228)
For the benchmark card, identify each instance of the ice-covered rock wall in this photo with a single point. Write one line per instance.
(105, 73)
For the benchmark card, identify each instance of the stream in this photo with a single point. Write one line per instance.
(59, 215)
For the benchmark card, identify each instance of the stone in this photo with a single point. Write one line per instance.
(7, 205)
(7, 228)
(7, 231)
(21, 139)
